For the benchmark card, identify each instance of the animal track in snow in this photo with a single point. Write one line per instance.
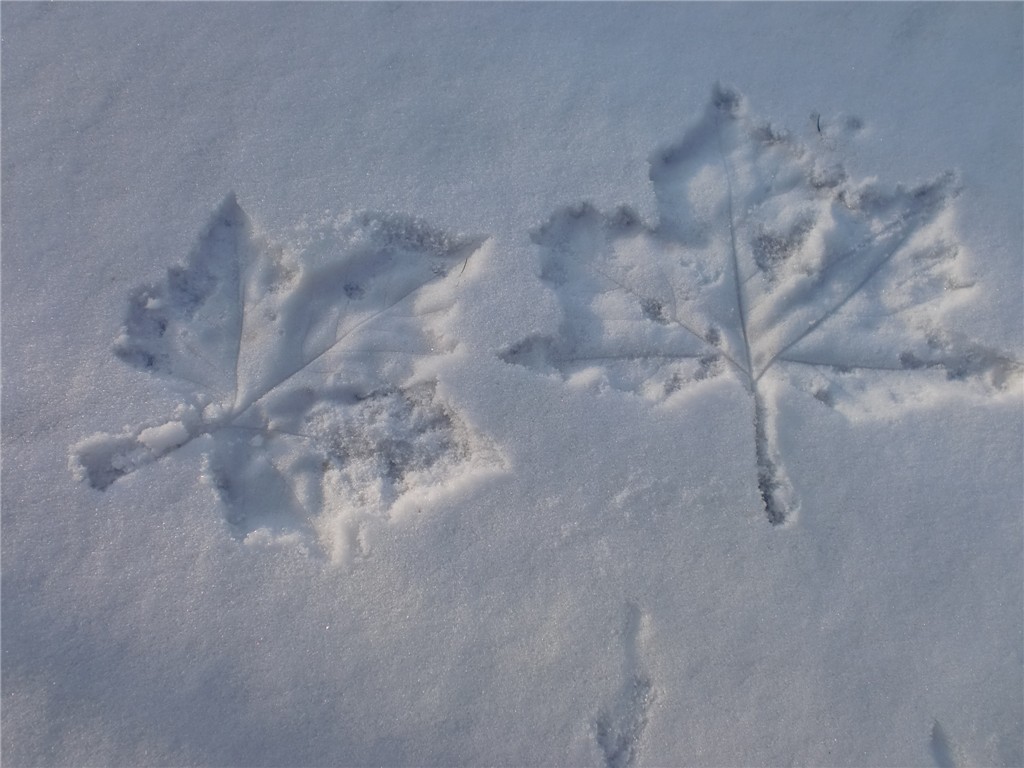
(769, 264)
(618, 729)
(296, 362)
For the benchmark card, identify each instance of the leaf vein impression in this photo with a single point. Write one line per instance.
(747, 367)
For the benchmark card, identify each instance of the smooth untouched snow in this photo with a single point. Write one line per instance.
(523, 384)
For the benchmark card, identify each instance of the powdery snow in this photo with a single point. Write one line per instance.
(574, 384)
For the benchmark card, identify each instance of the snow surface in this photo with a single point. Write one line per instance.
(512, 384)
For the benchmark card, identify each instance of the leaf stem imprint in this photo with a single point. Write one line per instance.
(772, 485)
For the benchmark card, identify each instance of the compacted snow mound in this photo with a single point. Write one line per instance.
(298, 364)
(767, 263)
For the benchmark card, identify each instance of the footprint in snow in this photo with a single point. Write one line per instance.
(619, 727)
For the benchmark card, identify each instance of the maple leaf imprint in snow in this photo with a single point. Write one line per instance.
(769, 264)
(298, 364)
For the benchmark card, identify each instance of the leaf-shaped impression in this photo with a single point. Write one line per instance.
(769, 264)
(297, 363)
